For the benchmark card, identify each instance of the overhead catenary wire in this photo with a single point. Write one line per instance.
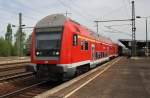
(115, 31)
(128, 11)
(77, 12)
(123, 6)
(115, 10)
(16, 13)
(11, 16)
(29, 7)
(118, 25)
(79, 8)
(15, 16)
(110, 27)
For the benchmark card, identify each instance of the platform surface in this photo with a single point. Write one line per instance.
(9, 60)
(126, 79)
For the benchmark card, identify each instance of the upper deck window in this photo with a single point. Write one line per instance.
(82, 45)
(86, 45)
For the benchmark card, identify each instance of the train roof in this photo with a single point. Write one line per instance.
(59, 19)
(51, 21)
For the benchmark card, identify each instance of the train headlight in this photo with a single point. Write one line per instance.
(57, 53)
(37, 53)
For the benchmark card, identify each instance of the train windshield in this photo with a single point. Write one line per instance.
(47, 42)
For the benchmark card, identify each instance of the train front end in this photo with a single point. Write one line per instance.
(46, 45)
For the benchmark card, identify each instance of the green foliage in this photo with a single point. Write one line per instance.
(19, 42)
(5, 47)
(27, 45)
(14, 50)
(8, 35)
(6, 44)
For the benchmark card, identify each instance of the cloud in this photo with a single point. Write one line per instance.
(83, 11)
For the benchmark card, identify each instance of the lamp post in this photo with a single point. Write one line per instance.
(146, 18)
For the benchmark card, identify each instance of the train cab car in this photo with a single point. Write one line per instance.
(62, 48)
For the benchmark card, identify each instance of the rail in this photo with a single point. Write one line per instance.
(9, 77)
(21, 90)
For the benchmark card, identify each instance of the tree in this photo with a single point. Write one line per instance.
(8, 35)
(19, 42)
(28, 45)
(5, 47)
(6, 43)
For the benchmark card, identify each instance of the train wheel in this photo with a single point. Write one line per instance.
(78, 72)
(82, 69)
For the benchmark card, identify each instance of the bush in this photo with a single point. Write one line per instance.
(5, 47)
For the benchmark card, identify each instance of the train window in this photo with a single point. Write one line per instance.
(104, 54)
(86, 45)
(75, 40)
(96, 55)
(100, 54)
(82, 45)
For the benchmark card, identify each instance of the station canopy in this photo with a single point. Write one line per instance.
(139, 43)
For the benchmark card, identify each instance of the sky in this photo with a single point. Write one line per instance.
(83, 11)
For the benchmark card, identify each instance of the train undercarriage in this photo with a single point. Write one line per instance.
(59, 73)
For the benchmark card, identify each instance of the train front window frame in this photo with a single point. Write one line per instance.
(48, 42)
(46, 38)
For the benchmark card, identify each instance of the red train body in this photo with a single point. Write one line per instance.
(62, 47)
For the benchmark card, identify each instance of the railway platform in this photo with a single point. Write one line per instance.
(128, 78)
(10, 60)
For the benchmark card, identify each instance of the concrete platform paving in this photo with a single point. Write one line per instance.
(7, 60)
(13, 58)
(126, 79)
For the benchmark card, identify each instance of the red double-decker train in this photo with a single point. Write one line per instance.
(62, 48)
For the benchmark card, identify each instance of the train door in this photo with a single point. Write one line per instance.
(93, 56)
(93, 52)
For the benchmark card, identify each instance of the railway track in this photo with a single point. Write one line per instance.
(14, 70)
(29, 87)
(17, 82)
(13, 76)
(10, 62)
(4, 61)
(22, 90)
(13, 58)
(30, 90)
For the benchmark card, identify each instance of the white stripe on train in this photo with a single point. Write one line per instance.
(72, 65)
